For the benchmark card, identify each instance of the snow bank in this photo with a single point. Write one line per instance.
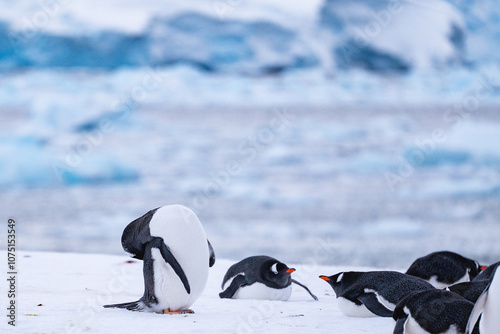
(64, 293)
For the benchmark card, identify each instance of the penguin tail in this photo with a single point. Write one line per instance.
(131, 306)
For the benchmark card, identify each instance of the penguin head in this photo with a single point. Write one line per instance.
(335, 281)
(277, 273)
(474, 269)
(478, 268)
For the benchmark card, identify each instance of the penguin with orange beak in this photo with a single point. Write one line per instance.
(260, 277)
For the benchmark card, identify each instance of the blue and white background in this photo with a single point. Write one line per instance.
(356, 132)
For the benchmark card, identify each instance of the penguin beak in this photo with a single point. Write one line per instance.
(325, 278)
(291, 270)
(483, 267)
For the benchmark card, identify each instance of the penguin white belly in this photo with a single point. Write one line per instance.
(490, 320)
(184, 235)
(352, 310)
(412, 327)
(262, 291)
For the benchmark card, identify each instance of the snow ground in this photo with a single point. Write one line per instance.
(64, 292)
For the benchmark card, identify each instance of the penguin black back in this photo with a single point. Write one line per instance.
(137, 234)
(260, 269)
(434, 311)
(445, 267)
(378, 291)
(392, 285)
(472, 290)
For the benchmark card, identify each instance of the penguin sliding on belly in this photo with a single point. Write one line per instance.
(443, 269)
(176, 253)
(488, 307)
(260, 277)
(373, 293)
(432, 312)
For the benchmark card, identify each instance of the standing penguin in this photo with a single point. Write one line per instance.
(260, 277)
(488, 307)
(443, 269)
(176, 253)
(373, 293)
(432, 312)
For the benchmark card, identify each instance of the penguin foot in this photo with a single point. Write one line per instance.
(188, 311)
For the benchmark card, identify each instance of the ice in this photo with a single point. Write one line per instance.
(106, 114)
(255, 37)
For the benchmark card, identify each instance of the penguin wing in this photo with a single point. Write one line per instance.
(211, 260)
(306, 288)
(372, 303)
(476, 311)
(169, 258)
(400, 326)
(238, 281)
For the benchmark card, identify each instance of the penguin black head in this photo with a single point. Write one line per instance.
(335, 281)
(277, 273)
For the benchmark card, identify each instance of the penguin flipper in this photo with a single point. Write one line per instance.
(211, 260)
(157, 242)
(306, 288)
(373, 305)
(132, 306)
(238, 281)
(400, 326)
(476, 312)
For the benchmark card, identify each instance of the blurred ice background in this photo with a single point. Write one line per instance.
(343, 132)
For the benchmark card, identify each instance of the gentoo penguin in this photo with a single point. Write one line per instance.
(488, 307)
(176, 253)
(432, 312)
(373, 293)
(469, 290)
(472, 290)
(260, 277)
(443, 269)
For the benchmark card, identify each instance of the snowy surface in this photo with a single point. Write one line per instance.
(72, 288)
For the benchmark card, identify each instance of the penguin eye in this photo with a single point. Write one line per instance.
(274, 268)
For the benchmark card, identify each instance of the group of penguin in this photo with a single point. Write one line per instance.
(442, 292)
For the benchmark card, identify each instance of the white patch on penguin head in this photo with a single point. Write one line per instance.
(274, 268)
(339, 278)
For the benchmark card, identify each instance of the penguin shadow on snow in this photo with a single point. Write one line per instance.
(260, 277)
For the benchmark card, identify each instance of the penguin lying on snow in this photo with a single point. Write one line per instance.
(443, 269)
(472, 290)
(488, 307)
(433, 312)
(176, 253)
(373, 293)
(260, 277)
